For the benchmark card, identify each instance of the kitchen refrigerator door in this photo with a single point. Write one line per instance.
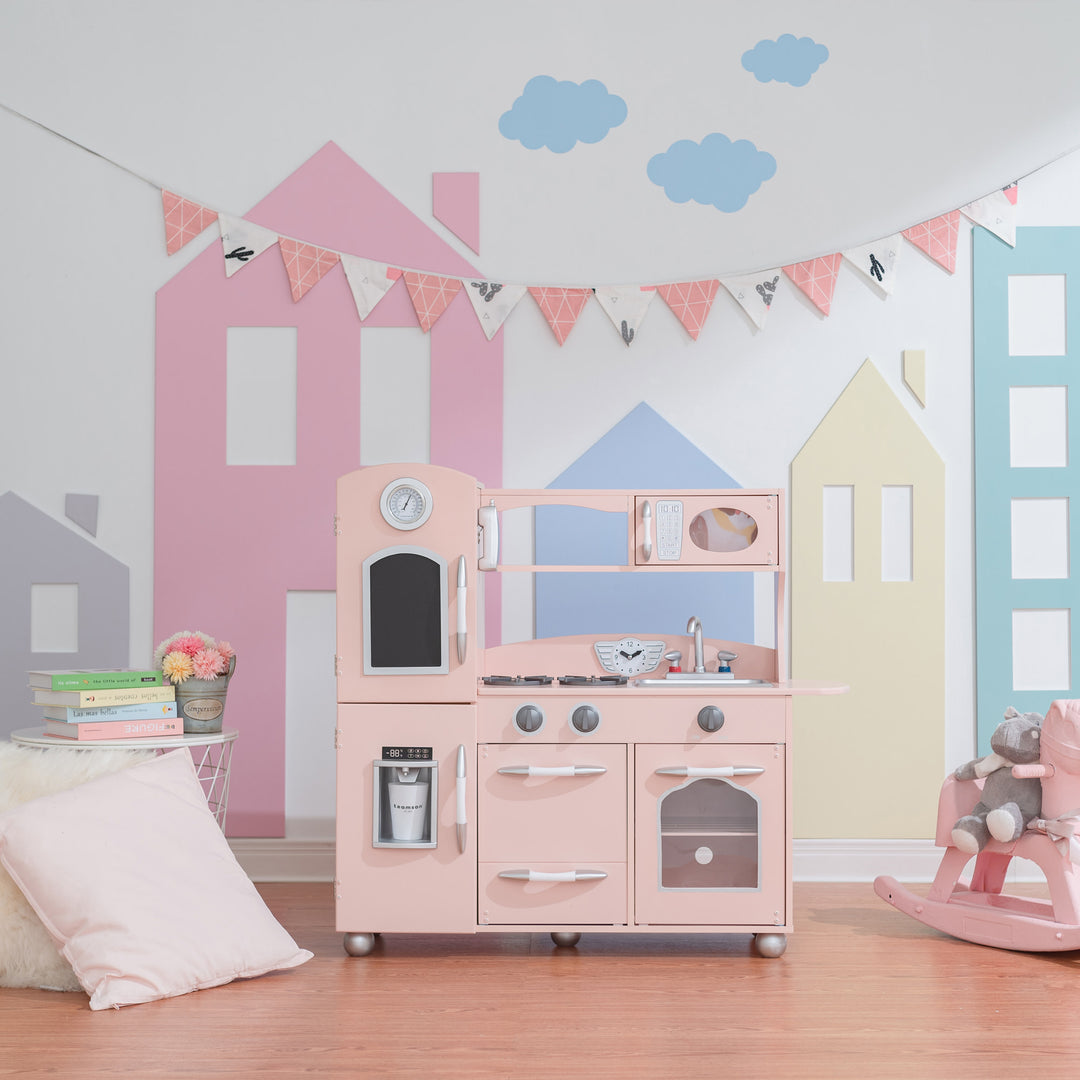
(407, 584)
(387, 879)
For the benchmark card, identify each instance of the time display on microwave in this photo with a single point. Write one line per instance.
(407, 753)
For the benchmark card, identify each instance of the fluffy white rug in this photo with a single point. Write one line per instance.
(28, 956)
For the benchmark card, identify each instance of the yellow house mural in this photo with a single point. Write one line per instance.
(868, 609)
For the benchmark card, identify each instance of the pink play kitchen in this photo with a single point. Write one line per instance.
(627, 782)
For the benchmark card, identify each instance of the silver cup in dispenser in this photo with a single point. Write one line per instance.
(406, 793)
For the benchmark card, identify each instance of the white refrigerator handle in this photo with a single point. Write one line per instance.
(462, 817)
(462, 612)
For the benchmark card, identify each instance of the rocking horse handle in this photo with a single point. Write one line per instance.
(1034, 771)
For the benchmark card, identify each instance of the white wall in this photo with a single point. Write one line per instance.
(222, 104)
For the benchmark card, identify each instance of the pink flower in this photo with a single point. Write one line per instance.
(208, 663)
(188, 643)
(177, 666)
(226, 650)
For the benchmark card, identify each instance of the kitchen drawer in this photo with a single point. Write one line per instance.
(525, 818)
(513, 901)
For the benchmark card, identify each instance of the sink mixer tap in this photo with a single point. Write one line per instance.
(694, 627)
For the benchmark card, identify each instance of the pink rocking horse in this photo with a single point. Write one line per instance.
(978, 910)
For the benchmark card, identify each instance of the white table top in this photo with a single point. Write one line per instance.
(35, 736)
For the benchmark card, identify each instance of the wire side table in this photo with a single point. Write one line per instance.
(211, 753)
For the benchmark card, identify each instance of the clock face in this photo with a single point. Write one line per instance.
(629, 656)
(406, 503)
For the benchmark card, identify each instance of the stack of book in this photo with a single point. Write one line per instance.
(91, 705)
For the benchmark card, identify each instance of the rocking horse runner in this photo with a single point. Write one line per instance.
(972, 815)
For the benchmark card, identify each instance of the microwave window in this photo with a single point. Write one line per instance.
(405, 612)
(723, 529)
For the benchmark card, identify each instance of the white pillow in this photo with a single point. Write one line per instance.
(136, 884)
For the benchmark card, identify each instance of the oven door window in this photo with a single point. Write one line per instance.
(405, 612)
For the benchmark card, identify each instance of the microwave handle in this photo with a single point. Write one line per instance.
(646, 521)
(462, 612)
(487, 518)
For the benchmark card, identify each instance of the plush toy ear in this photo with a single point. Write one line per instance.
(1010, 712)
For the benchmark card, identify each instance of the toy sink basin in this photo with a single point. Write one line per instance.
(707, 678)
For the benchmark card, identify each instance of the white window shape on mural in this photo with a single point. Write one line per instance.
(897, 537)
(1038, 427)
(1040, 538)
(838, 532)
(1037, 315)
(54, 618)
(260, 395)
(395, 395)
(1041, 649)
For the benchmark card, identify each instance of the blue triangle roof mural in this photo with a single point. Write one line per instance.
(644, 452)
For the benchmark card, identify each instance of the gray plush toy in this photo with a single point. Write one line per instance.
(1007, 804)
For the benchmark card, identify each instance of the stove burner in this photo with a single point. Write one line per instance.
(517, 680)
(592, 680)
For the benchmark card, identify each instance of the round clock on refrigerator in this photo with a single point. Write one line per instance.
(405, 503)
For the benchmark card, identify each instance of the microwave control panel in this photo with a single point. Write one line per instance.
(669, 528)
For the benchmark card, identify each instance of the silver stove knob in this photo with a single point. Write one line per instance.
(529, 719)
(710, 718)
(585, 719)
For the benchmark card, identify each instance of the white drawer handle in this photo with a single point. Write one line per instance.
(544, 875)
(552, 770)
(724, 770)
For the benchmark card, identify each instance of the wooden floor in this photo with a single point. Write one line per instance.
(862, 991)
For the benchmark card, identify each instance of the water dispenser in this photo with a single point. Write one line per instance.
(406, 796)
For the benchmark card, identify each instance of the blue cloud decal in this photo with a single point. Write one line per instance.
(787, 59)
(715, 172)
(559, 115)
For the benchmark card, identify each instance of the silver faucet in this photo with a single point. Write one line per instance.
(694, 627)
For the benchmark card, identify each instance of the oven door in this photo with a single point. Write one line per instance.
(710, 835)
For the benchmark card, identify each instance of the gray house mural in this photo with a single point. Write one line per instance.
(40, 551)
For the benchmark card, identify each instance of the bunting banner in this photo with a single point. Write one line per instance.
(817, 278)
(691, 301)
(937, 237)
(368, 281)
(431, 295)
(561, 307)
(877, 260)
(996, 213)
(493, 303)
(626, 306)
(184, 220)
(754, 292)
(305, 264)
(241, 241)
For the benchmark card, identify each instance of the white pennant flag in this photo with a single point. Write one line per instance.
(626, 306)
(755, 292)
(492, 302)
(995, 212)
(877, 260)
(241, 242)
(369, 282)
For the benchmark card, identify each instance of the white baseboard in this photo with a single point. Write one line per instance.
(909, 861)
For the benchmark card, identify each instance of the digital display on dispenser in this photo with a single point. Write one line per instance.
(407, 753)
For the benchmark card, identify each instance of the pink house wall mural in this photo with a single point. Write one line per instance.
(231, 541)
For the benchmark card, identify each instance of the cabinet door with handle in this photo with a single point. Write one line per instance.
(710, 835)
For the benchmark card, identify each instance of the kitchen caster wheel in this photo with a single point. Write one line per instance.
(359, 944)
(565, 938)
(770, 945)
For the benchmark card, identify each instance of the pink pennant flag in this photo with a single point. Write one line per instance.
(305, 264)
(937, 238)
(184, 220)
(1011, 192)
(431, 295)
(691, 301)
(561, 307)
(817, 278)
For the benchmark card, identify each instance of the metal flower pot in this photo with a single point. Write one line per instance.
(201, 702)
